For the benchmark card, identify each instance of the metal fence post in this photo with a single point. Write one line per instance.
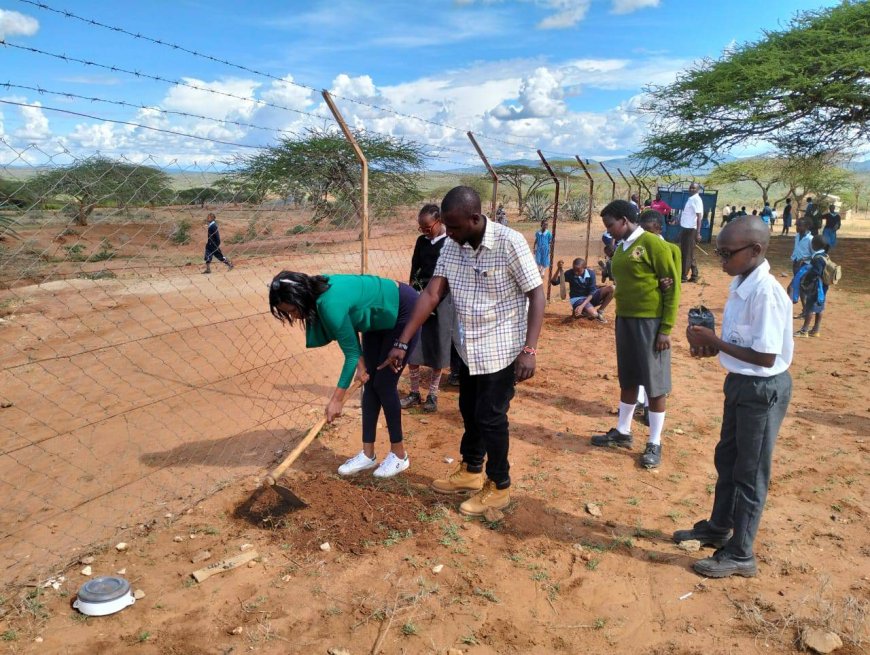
(364, 183)
(591, 196)
(640, 183)
(628, 184)
(555, 217)
(612, 181)
(492, 172)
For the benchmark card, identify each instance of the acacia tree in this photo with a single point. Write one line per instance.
(322, 166)
(818, 175)
(804, 89)
(98, 180)
(524, 180)
(763, 171)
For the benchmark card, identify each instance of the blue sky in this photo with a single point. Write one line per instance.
(562, 75)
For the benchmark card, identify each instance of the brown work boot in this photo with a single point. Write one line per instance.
(460, 480)
(487, 498)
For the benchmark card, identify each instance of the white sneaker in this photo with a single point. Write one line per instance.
(392, 465)
(357, 463)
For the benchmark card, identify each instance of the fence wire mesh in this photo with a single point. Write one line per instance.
(131, 384)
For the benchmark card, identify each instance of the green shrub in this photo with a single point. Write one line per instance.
(181, 233)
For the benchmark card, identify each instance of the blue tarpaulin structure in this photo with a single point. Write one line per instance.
(675, 195)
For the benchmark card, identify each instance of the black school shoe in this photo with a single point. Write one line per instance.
(652, 456)
(722, 564)
(705, 533)
(613, 438)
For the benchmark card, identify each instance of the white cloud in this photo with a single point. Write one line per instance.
(14, 24)
(234, 98)
(541, 95)
(628, 6)
(35, 127)
(524, 101)
(568, 14)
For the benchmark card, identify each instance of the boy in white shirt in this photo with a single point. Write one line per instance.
(756, 349)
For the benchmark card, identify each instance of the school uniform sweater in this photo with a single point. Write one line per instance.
(638, 265)
(426, 253)
(352, 304)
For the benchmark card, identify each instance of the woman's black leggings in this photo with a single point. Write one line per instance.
(381, 391)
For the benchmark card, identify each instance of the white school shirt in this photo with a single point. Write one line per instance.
(758, 316)
(689, 217)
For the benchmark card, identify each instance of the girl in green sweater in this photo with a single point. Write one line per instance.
(339, 308)
(645, 315)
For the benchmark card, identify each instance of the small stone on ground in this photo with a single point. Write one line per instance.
(690, 545)
(820, 641)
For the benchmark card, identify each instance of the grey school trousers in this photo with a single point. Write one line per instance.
(754, 410)
(688, 236)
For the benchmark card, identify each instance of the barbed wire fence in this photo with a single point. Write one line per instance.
(131, 384)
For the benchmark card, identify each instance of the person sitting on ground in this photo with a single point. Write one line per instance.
(813, 289)
(756, 349)
(585, 296)
(742, 211)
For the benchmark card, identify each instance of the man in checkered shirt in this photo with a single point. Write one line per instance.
(499, 300)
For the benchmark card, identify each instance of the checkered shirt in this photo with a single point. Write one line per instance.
(489, 287)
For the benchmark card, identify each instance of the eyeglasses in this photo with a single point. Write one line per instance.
(726, 254)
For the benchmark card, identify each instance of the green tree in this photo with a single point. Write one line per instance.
(98, 181)
(817, 175)
(805, 89)
(322, 166)
(764, 172)
(201, 195)
(524, 180)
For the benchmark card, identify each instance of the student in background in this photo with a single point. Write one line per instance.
(813, 289)
(787, 217)
(543, 243)
(436, 335)
(213, 245)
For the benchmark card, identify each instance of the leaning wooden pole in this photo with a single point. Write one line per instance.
(489, 168)
(612, 181)
(555, 217)
(591, 196)
(364, 183)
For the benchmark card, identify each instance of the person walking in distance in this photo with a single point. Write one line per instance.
(787, 217)
(213, 245)
(756, 349)
(499, 299)
(690, 232)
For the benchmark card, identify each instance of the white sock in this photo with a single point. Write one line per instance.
(641, 396)
(626, 413)
(656, 425)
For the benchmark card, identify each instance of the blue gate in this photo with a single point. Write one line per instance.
(675, 195)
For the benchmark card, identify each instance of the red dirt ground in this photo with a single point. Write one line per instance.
(183, 425)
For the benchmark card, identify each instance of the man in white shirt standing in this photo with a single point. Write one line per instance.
(499, 300)
(756, 349)
(690, 232)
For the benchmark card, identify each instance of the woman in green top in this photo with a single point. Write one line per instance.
(339, 308)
